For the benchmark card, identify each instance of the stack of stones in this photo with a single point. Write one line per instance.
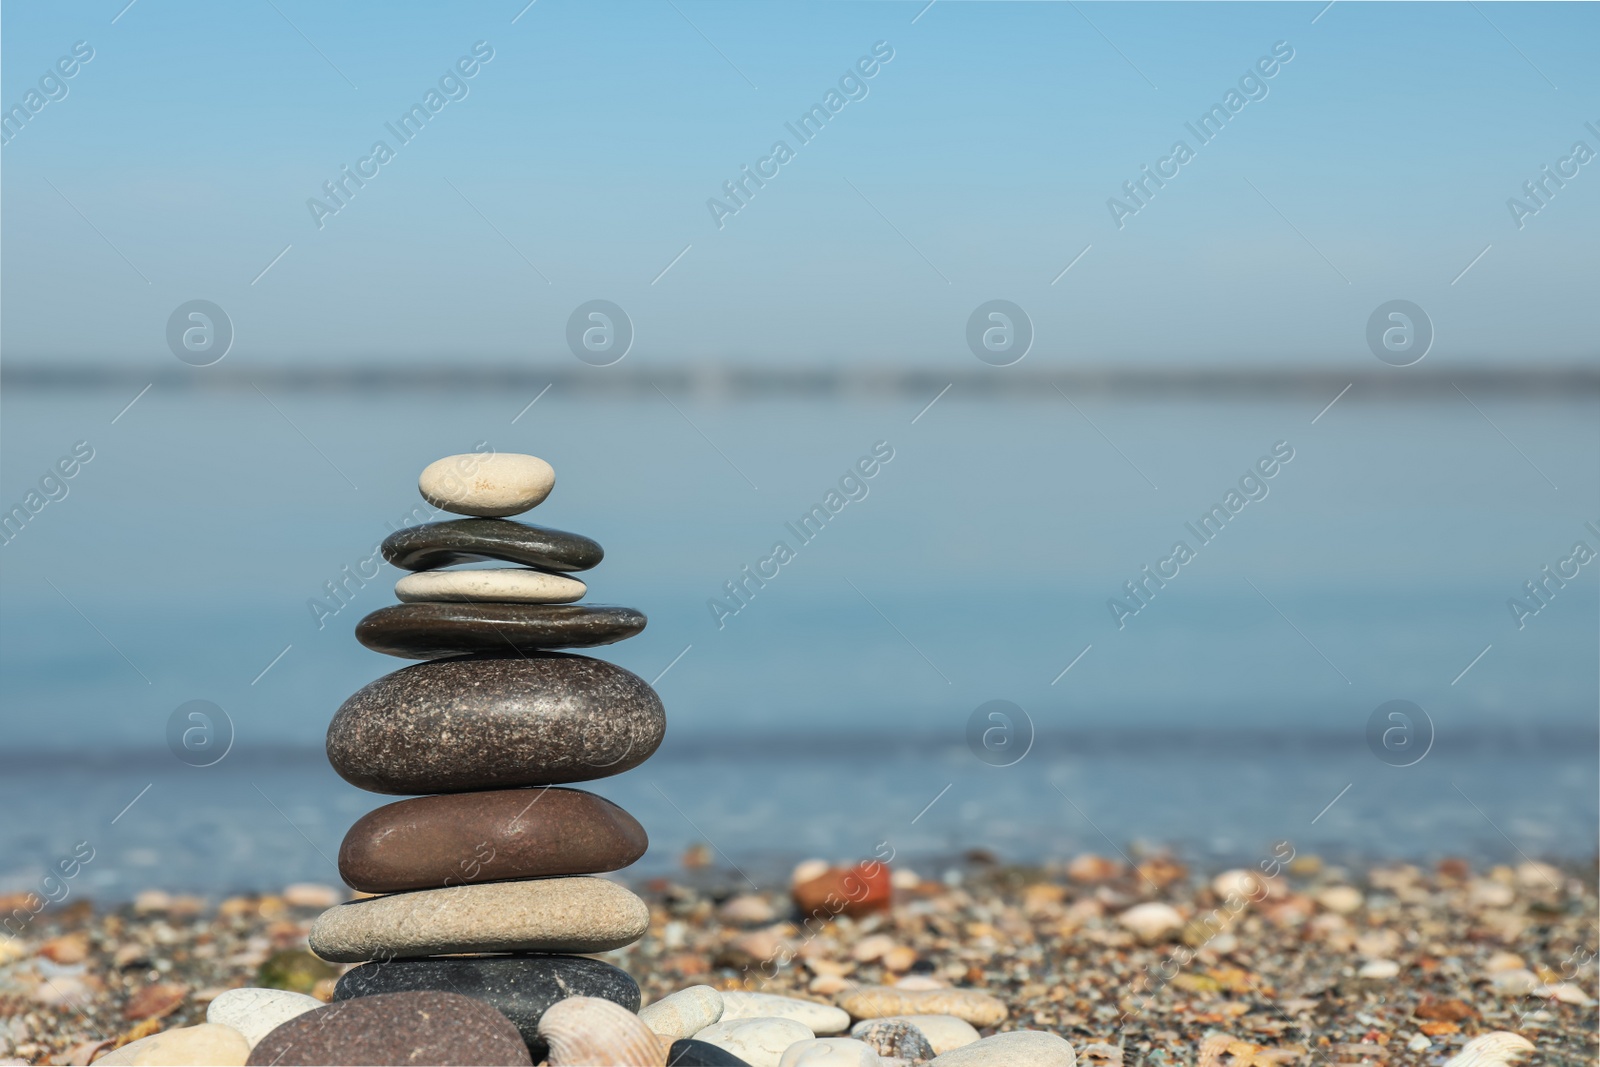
(484, 879)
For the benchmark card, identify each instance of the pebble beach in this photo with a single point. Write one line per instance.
(1390, 964)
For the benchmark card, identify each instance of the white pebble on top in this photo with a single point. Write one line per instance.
(490, 485)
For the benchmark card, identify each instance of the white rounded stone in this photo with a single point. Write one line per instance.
(759, 1042)
(257, 1012)
(830, 1052)
(1381, 970)
(944, 1032)
(517, 585)
(493, 484)
(818, 1018)
(684, 1013)
(1019, 1048)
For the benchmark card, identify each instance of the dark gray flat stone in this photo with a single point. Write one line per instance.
(522, 987)
(432, 630)
(455, 725)
(441, 544)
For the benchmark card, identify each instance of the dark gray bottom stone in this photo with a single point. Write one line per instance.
(692, 1053)
(521, 986)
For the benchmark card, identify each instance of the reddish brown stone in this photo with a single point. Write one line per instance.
(859, 890)
(462, 838)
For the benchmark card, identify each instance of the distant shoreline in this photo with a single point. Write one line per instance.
(723, 381)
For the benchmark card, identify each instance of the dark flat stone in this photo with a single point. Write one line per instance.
(691, 1053)
(432, 630)
(522, 987)
(455, 725)
(417, 1027)
(441, 544)
(456, 838)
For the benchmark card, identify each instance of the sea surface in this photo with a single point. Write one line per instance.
(829, 708)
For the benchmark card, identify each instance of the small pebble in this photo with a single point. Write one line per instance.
(1152, 921)
(829, 1052)
(1342, 899)
(1019, 1048)
(493, 485)
(820, 1019)
(759, 1042)
(684, 1013)
(257, 1012)
(943, 1032)
(1379, 969)
(876, 1002)
(500, 585)
(207, 1044)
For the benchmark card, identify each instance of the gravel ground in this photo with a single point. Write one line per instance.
(1392, 964)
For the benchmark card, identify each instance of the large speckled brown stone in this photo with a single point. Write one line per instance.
(432, 842)
(569, 915)
(423, 1027)
(454, 725)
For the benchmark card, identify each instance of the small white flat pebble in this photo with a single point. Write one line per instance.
(818, 1018)
(944, 1032)
(759, 1042)
(1152, 921)
(255, 1013)
(1343, 899)
(1379, 969)
(494, 484)
(1019, 1048)
(517, 585)
(684, 1013)
(830, 1052)
(1419, 1042)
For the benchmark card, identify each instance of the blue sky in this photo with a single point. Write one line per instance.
(978, 166)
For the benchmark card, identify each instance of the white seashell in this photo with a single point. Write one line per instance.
(1491, 1050)
(592, 1032)
(1101, 1053)
(1212, 1049)
(1565, 992)
(684, 1013)
(1153, 921)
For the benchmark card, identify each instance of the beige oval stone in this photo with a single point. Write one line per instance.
(208, 1043)
(944, 1032)
(759, 1042)
(969, 1005)
(504, 585)
(493, 485)
(830, 1052)
(820, 1019)
(1019, 1048)
(577, 914)
(684, 1013)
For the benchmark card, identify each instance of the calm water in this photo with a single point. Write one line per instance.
(833, 707)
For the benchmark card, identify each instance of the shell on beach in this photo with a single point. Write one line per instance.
(593, 1032)
(896, 1038)
(1491, 1050)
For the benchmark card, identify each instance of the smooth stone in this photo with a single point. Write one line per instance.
(499, 585)
(684, 1013)
(454, 725)
(520, 987)
(878, 1002)
(896, 1039)
(820, 1019)
(830, 1052)
(257, 1012)
(687, 1052)
(435, 630)
(944, 1032)
(1019, 1048)
(207, 1044)
(443, 544)
(577, 915)
(420, 1027)
(461, 838)
(759, 1042)
(493, 485)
